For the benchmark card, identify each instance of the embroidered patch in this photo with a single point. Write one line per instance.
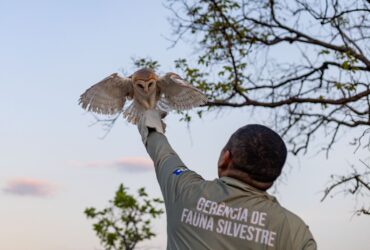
(180, 170)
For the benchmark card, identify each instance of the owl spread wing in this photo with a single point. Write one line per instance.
(178, 94)
(107, 96)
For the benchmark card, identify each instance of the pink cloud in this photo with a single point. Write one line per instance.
(128, 164)
(134, 164)
(29, 187)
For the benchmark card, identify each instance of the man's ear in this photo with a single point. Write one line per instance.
(224, 162)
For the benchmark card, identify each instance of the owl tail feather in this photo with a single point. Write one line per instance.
(133, 113)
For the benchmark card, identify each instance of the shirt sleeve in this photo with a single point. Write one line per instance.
(304, 239)
(310, 245)
(172, 174)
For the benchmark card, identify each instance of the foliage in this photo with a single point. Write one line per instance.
(356, 183)
(126, 221)
(305, 61)
(320, 83)
(145, 63)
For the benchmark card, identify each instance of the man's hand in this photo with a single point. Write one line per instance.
(151, 120)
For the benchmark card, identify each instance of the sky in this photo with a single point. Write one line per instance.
(54, 164)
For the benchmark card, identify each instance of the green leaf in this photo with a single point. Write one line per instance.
(127, 220)
(111, 238)
(146, 63)
(90, 212)
(346, 65)
(324, 52)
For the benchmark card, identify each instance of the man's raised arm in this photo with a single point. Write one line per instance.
(172, 174)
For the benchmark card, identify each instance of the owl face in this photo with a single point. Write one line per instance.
(145, 87)
(145, 81)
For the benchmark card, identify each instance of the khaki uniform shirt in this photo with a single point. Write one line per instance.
(221, 214)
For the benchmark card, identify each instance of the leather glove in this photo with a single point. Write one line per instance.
(151, 120)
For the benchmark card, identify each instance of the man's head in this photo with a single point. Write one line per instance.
(254, 154)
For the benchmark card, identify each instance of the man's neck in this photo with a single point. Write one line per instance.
(244, 177)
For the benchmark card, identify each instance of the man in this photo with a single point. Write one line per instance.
(234, 211)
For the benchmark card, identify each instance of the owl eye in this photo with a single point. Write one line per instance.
(150, 84)
(141, 86)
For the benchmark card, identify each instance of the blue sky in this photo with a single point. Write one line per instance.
(53, 165)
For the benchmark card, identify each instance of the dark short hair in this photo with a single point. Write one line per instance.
(257, 151)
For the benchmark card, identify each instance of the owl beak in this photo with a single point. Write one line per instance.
(146, 89)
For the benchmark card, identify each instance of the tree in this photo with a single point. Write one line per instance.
(356, 183)
(126, 221)
(320, 85)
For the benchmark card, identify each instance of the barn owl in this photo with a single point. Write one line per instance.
(146, 90)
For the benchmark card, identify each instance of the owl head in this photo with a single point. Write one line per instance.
(145, 81)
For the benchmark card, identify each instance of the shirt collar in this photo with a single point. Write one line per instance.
(244, 186)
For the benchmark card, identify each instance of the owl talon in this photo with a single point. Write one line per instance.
(163, 114)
